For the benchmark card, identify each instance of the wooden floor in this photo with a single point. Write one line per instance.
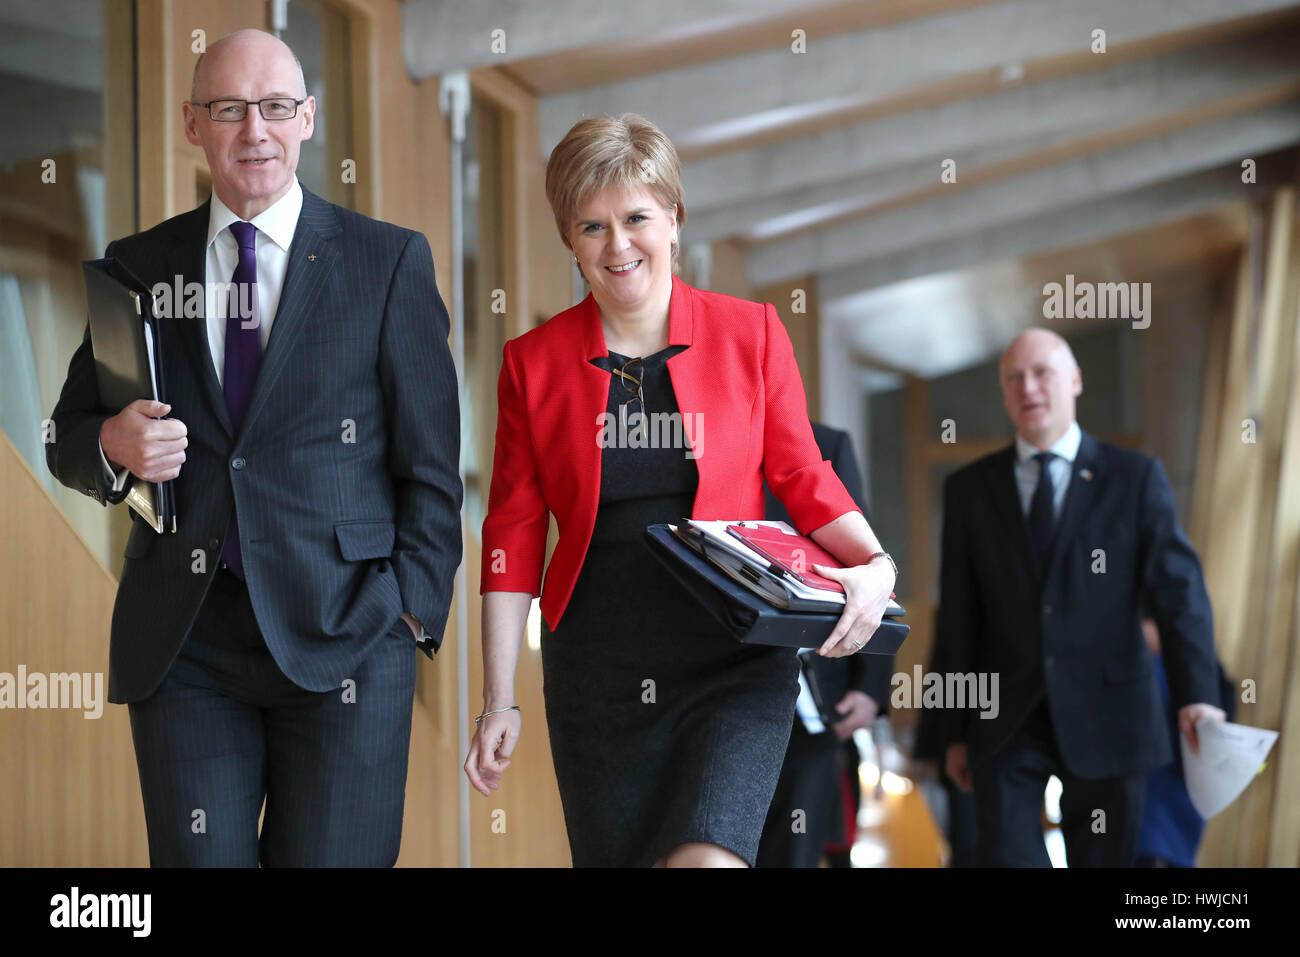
(896, 829)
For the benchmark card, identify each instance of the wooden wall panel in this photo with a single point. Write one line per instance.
(1253, 539)
(804, 328)
(1269, 627)
(70, 792)
(727, 272)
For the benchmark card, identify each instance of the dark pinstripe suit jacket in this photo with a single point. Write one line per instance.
(345, 473)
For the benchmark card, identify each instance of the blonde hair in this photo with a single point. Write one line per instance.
(626, 152)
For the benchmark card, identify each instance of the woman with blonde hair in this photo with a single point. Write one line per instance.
(646, 402)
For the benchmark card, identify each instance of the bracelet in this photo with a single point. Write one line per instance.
(887, 555)
(513, 707)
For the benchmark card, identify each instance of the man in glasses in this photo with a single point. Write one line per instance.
(267, 648)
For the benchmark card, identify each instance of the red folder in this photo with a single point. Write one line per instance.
(793, 554)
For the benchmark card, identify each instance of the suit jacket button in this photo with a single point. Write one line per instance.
(236, 464)
(214, 544)
(1048, 661)
(1047, 609)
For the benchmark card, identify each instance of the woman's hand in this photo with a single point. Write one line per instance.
(490, 748)
(866, 596)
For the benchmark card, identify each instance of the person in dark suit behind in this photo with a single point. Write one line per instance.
(267, 648)
(1048, 547)
(1171, 829)
(856, 688)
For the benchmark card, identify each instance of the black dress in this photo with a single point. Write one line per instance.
(664, 730)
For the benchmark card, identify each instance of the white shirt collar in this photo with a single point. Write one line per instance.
(278, 221)
(1067, 446)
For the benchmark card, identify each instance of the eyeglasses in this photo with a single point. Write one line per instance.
(624, 377)
(234, 111)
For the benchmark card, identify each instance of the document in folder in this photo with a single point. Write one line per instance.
(124, 336)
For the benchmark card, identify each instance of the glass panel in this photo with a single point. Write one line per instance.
(321, 36)
(67, 186)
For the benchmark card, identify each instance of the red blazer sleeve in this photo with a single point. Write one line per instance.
(514, 532)
(792, 463)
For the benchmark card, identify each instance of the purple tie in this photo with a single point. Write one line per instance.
(243, 357)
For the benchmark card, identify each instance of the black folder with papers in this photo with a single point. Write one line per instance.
(752, 619)
(125, 338)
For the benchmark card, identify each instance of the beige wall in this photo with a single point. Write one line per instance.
(70, 793)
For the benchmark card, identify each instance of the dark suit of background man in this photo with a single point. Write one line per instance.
(267, 648)
(1024, 593)
(856, 687)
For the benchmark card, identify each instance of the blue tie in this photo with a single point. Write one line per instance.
(243, 358)
(1041, 519)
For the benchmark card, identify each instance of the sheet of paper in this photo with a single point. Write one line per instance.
(1230, 757)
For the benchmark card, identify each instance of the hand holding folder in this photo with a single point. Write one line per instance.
(126, 340)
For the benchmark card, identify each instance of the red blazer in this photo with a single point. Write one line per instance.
(739, 380)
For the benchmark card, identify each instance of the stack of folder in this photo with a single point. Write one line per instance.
(757, 582)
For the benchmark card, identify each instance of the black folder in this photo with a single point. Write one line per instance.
(126, 339)
(747, 617)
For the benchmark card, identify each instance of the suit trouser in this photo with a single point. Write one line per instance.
(1009, 799)
(226, 729)
(809, 783)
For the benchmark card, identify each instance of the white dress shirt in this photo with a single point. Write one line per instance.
(1066, 450)
(805, 706)
(275, 229)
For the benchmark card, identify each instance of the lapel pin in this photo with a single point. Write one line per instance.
(1085, 474)
(311, 257)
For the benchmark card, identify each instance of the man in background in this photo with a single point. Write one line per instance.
(1048, 547)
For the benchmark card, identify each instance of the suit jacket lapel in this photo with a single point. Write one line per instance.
(686, 372)
(311, 255)
(591, 398)
(1084, 478)
(1001, 476)
(187, 258)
